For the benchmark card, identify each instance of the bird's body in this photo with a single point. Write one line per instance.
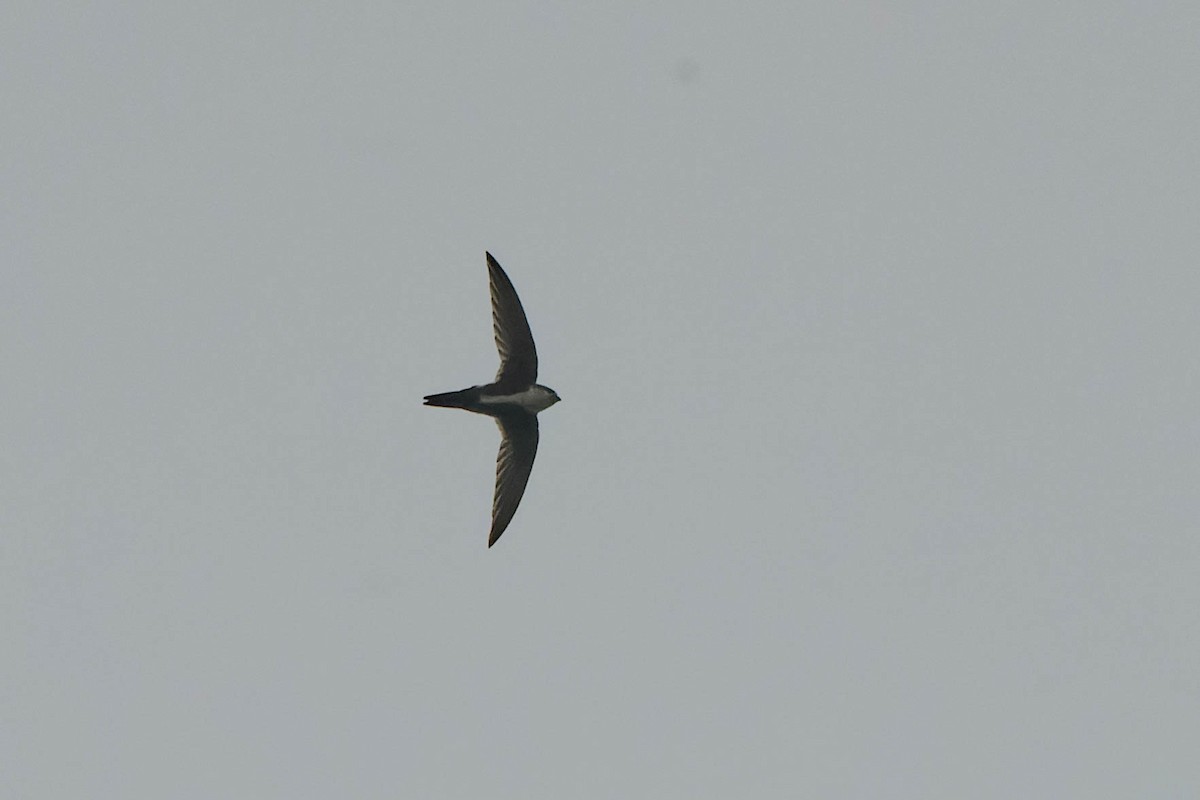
(496, 402)
(513, 400)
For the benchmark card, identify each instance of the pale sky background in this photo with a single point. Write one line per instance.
(875, 475)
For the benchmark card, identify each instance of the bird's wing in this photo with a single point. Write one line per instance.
(518, 356)
(514, 462)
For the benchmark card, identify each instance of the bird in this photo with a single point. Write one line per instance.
(514, 399)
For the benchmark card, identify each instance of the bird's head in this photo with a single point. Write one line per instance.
(550, 396)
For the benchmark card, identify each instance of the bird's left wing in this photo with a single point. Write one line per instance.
(514, 462)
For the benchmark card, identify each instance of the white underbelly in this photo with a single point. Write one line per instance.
(533, 399)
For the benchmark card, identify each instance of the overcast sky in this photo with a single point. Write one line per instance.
(875, 474)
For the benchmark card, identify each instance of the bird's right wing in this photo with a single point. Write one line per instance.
(514, 341)
(514, 462)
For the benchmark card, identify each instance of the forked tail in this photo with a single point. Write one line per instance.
(450, 399)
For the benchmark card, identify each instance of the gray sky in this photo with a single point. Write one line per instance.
(875, 471)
